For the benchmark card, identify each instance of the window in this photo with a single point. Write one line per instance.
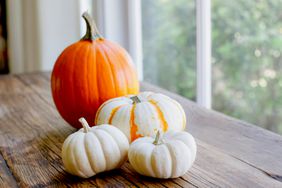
(246, 58)
(246, 55)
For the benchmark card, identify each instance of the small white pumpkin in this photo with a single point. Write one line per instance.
(93, 150)
(142, 115)
(168, 157)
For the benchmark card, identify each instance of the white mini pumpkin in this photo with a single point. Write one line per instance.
(142, 115)
(168, 157)
(93, 150)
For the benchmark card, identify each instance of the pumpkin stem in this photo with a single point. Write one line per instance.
(84, 124)
(157, 138)
(135, 99)
(92, 32)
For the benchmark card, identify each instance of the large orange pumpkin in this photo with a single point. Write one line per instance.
(89, 72)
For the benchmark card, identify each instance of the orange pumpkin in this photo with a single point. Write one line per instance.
(89, 72)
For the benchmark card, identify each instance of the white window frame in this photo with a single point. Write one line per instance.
(203, 20)
(135, 34)
(129, 12)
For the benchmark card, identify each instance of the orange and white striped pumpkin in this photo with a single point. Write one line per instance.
(142, 115)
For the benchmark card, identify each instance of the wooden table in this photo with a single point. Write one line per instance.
(231, 153)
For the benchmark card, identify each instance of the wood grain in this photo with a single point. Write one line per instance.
(230, 153)
(6, 177)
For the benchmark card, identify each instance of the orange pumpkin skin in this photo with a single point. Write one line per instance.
(86, 74)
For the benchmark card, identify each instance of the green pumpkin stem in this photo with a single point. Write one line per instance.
(92, 32)
(157, 138)
(135, 99)
(85, 125)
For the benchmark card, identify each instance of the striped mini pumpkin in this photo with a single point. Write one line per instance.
(142, 115)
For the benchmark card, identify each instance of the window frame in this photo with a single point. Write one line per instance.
(203, 46)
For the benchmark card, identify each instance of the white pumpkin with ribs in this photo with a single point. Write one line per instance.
(142, 115)
(167, 156)
(92, 150)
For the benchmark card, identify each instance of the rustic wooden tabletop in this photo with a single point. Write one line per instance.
(231, 153)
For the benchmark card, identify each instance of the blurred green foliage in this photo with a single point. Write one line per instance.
(169, 35)
(246, 55)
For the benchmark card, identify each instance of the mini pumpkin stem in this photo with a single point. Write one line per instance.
(85, 125)
(135, 99)
(157, 138)
(92, 32)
